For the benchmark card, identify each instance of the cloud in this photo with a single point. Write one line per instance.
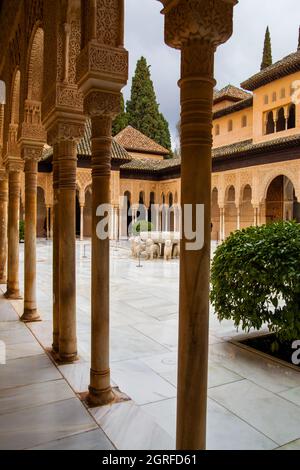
(236, 60)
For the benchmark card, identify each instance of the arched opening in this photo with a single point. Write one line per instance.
(87, 212)
(244, 121)
(230, 125)
(292, 117)
(32, 109)
(215, 216)
(128, 218)
(171, 217)
(142, 210)
(270, 123)
(246, 208)
(280, 121)
(41, 222)
(152, 202)
(217, 129)
(230, 212)
(281, 202)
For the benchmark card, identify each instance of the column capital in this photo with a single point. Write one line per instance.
(66, 130)
(102, 103)
(207, 20)
(31, 151)
(13, 164)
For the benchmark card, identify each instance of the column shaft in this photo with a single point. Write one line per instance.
(55, 248)
(196, 142)
(30, 309)
(100, 391)
(14, 185)
(3, 228)
(81, 222)
(67, 160)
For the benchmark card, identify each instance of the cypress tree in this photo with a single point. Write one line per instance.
(121, 121)
(267, 54)
(142, 108)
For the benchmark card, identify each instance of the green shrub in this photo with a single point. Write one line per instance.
(141, 226)
(21, 230)
(256, 279)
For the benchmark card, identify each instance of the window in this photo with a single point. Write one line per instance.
(292, 117)
(282, 93)
(280, 121)
(244, 121)
(230, 125)
(266, 100)
(217, 129)
(270, 129)
(274, 96)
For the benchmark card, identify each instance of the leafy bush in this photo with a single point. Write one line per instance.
(256, 279)
(21, 230)
(141, 226)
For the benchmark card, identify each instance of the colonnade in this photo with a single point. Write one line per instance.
(75, 52)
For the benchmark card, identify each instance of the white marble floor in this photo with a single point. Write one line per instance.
(254, 403)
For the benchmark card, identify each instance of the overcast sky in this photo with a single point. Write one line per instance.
(237, 60)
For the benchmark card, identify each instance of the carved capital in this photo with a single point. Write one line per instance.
(102, 103)
(207, 20)
(14, 164)
(31, 152)
(66, 130)
(109, 65)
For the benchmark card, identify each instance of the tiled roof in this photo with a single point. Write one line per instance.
(286, 66)
(133, 140)
(239, 106)
(231, 93)
(149, 164)
(84, 148)
(247, 146)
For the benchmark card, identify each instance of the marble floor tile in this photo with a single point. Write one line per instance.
(163, 332)
(130, 428)
(7, 313)
(292, 395)
(295, 445)
(77, 375)
(90, 440)
(275, 417)
(128, 343)
(140, 382)
(26, 371)
(29, 396)
(15, 336)
(29, 428)
(20, 350)
(264, 372)
(218, 375)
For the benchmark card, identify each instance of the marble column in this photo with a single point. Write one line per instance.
(55, 249)
(47, 222)
(3, 225)
(67, 163)
(196, 27)
(31, 156)
(81, 222)
(14, 188)
(222, 223)
(100, 391)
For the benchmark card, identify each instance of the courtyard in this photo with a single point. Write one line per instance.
(253, 402)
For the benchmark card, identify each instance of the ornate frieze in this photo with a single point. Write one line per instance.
(106, 63)
(63, 130)
(102, 103)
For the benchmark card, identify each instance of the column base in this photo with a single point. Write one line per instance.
(30, 316)
(100, 397)
(67, 358)
(13, 294)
